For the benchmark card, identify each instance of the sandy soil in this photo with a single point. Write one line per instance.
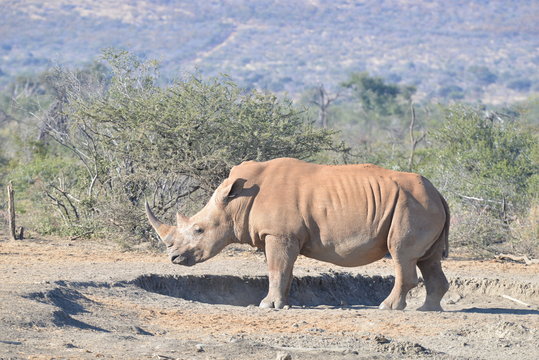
(89, 299)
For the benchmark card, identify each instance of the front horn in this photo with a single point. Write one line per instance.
(162, 229)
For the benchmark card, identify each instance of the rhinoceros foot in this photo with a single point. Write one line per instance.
(269, 303)
(388, 304)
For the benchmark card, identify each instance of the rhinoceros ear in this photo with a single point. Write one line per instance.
(229, 189)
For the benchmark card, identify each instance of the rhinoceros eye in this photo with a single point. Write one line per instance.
(198, 230)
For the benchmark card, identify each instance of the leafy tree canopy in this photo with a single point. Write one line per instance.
(375, 95)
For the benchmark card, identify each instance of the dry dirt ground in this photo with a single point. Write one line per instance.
(88, 299)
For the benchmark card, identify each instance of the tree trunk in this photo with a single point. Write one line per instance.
(413, 140)
(11, 212)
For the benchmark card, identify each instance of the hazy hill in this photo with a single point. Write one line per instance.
(479, 49)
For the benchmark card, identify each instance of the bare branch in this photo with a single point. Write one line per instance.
(60, 205)
(323, 102)
(413, 141)
(479, 199)
(67, 196)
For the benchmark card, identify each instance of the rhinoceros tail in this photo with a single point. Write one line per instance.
(444, 236)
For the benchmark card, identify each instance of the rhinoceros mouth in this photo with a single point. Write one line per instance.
(184, 259)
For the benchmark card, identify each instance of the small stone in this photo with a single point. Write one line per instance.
(199, 348)
(381, 339)
(283, 356)
(286, 307)
(140, 331)
(454, 299)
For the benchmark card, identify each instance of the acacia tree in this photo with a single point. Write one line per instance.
(377, 96)
(139, 139)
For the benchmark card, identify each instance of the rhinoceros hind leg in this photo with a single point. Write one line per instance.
(281, 253)
(435, 283)
(405, 280)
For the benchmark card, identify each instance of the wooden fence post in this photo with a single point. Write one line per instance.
(11, 211)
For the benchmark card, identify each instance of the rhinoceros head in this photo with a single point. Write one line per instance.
(204, 235)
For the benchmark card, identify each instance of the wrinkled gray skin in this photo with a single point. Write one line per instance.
(348, 215)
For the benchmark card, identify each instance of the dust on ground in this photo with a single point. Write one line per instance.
(90, 299)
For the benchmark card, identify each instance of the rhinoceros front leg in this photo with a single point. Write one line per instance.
(281, 253)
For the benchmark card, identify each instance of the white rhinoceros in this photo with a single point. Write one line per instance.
(348, 215)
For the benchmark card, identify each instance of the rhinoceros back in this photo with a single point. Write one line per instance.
(341, 214)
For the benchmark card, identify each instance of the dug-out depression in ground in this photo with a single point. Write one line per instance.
(327, 289)
(332, 289)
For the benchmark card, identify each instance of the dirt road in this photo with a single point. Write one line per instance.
(88, 299)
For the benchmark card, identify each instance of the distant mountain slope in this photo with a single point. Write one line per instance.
(479, 49)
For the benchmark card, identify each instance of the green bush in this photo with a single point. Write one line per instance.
(452, 92)
(485, 164)
(483, 75)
